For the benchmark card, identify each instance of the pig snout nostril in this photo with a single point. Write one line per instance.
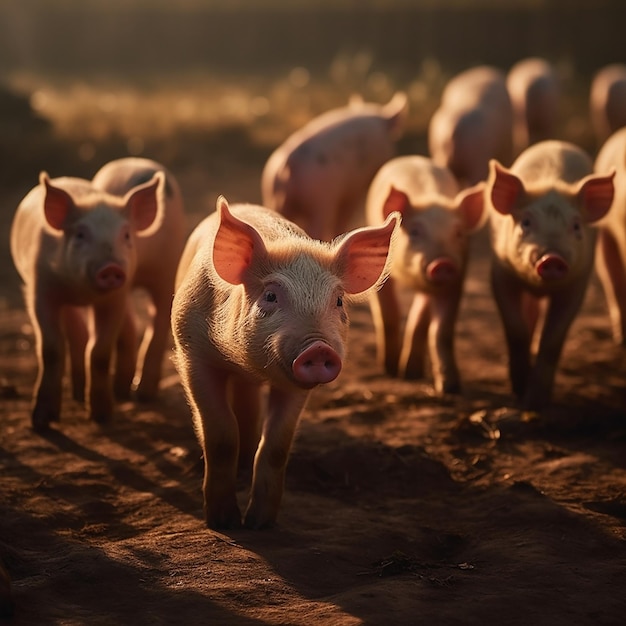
(552, 267)
(441, 270)
(316, 365)
(110, 277)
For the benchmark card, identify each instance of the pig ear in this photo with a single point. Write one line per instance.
(396, 112)
(144, 203)
(471, 206)
(363, 255)
(57, 203)
(507, 190)
(235, 245)
(396, 201)
(595, 194)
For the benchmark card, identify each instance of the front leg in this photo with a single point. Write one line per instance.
(50, 347)
(415, 333)
(386, 318)
(271, 459)
(508, 293)
(562, 311)
(445, 308)
(107, 321)
(75, 328)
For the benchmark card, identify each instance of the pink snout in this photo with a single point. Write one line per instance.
(110, 277)
(316, 365)
(442, 270)
(552, 267)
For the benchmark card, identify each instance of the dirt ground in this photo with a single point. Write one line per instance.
(400, 507)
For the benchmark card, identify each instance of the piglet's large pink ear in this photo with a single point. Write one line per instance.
(236, 243)
(143, 203)
(470, 204)
(507, 190)
(363, 255)
(396, 201)
(57, 203)
(595, 195)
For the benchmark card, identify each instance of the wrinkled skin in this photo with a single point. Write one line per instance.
(607, 101)
(472, 125)
(611, 250)
(258, 301)
(75, 248)
(540, 215)
(158, 253)
(430, 260)
(319, 176)
(533, 86)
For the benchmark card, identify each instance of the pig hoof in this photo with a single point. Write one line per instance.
(41, 419)
(255, 523)
(223, 522)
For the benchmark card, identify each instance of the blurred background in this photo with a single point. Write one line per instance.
(213, 86)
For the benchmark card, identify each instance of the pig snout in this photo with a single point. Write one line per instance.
(110, 277)
(551, 267)
(316, 365)
(441, 271)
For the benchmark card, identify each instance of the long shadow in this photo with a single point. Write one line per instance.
(57, 580)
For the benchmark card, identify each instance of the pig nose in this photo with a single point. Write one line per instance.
(110, 277)
(552, 266)
(316, 365)
(441, 270)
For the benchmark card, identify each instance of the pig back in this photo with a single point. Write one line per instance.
(552, 161)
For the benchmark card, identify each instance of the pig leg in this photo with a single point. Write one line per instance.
(610, 268)
(126, 355)
(246, 404)
(50, 345)
(154, 344)
(216, 427)
(508, 294)
(386, 317)
(560, 315)
(75, 328)
(107, 322)
(271, 458)
(441, 341)
(415, 334)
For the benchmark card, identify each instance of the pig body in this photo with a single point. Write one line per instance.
(611, 250)
(430, 259)
(74, 247)
(319, 176)
(534, 91)
(158, 254)
(607, 101)
(540, 215)
(472, 124)
(258, 301)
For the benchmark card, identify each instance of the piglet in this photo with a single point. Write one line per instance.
(429, 260)
(75, 246)
(540, 215)
(259, 301)
(319, 176)
(158, 254)
(611, 250)
(473, 123)
(607, 101)
(533, 86)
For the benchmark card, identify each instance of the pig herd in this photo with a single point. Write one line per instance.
(260, 294)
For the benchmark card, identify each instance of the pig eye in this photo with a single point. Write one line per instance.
(339, 301)
(526, 223)
(270, 296)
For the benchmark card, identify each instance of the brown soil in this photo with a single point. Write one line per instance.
(400, 508)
